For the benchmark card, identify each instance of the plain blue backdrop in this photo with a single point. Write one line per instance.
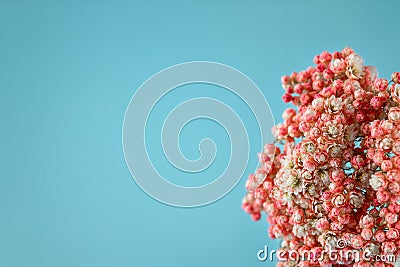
(67, 72)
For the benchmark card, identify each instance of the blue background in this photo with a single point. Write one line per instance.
(67, 72)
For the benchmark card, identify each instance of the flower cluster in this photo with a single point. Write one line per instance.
(333, 172)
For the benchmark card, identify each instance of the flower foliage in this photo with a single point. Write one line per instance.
(333, 172)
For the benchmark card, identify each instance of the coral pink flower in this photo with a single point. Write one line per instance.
(396, 77)
(334, 171)
(381, 84)
(394, 114)
(355, 66)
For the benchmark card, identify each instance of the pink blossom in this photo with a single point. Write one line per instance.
(366, 233)
(337, 174)
(394, 114)
(381, 84)
(396, 77)
(355, 66)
